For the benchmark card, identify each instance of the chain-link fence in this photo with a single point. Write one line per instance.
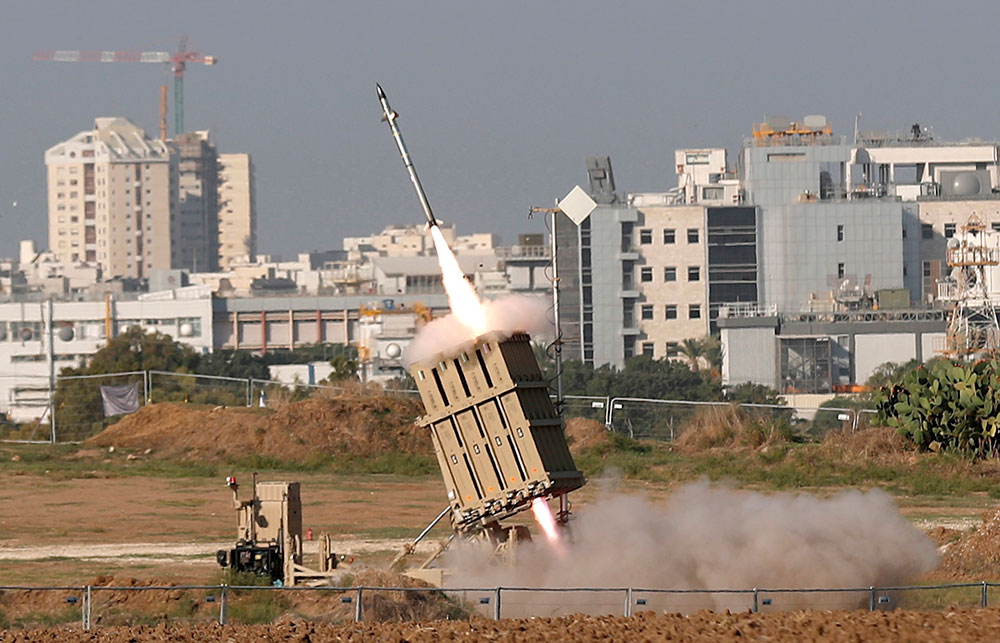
(96, 606)
(643, 418)
(166, 386)
(79, 413)
(79, 408)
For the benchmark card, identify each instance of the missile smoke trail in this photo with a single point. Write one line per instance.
(462, 298)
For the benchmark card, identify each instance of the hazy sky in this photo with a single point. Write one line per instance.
(499, 102)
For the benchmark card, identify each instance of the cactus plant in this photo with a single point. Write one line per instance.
(946, 406)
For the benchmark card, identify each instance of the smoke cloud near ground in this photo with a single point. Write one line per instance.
(507, 315)
(713, 537)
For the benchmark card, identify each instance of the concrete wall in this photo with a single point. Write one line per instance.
(873, 350)
(750, 356)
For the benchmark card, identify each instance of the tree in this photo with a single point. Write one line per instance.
(753, 393)
(887, 374)
(233, 363)
(714, 355)
(344, 368)
(693, 349)
(78, 408)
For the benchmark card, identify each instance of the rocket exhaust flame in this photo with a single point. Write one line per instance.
(462, 298)
(545, 519)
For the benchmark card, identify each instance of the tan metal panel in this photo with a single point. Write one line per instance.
(498, 438)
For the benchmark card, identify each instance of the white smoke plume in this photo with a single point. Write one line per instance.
(505, 316)
(713, 537)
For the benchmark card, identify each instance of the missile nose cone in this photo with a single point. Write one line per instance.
(381, 94)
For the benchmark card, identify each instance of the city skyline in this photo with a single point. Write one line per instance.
(500, 105)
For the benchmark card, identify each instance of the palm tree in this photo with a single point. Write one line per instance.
(714, 354)
(693, 349)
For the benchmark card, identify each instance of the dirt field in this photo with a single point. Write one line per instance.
(948, 626)
(113, 524)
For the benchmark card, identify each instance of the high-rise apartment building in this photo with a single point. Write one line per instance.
(196, 233)
(111, 192)
(237, 215)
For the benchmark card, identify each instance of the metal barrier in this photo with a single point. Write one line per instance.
(645, 418)
(648, 418)
(506, 602)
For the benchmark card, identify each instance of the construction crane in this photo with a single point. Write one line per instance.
(178, 60)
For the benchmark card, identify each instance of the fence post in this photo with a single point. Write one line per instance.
(496, 604)
(358, 612)
(85, 609)
(871, 599)
(223, 597)
(628, 602)
(607, 412)
(755, 603)
(985, 591)
(249, 392)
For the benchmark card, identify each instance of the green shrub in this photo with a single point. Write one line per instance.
(946, 406)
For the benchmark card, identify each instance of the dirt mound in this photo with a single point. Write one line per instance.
(901, 625)
(353, 426)
(975, 555)
(583, 434)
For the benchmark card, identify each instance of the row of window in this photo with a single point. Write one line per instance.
(669, 236)
(927, 230)
(647, 311)
(673, 349)
(669, 273)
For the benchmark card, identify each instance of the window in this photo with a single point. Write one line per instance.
(927, 269)
(646, 273)
(647, 311)
(668, 235)
(840, 233)
(927, 231)
(647, 349)
(995, 226)
(949, 230)
(692, 235)
(670, 273)
(696, 158)
(673, 349)
(671, 311)
(840, 271)
(645, 237)
(694, 273)
(713, 193)
(694, 311)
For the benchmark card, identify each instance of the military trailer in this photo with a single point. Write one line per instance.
(269, 536)
(498, 439)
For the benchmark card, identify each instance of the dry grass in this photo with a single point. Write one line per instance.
(874, 444)
(732, 427)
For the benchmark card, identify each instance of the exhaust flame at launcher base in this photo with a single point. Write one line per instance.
(462, 298)
(545, 519)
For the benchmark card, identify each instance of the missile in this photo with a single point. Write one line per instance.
(390, 117)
